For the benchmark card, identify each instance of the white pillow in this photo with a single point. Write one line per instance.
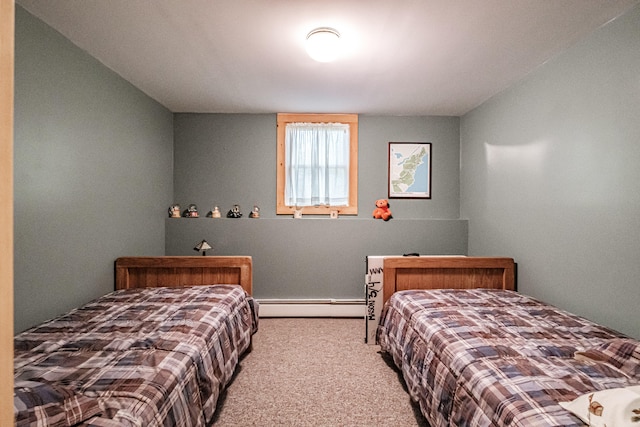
(616, 407)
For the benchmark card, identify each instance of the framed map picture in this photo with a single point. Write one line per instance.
(409, 170)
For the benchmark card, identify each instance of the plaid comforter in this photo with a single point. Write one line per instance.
(139, 357)
(497, 358)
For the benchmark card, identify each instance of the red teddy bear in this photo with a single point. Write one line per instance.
(382, 210)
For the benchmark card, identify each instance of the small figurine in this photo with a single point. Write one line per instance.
(235, 212)
(215, 212)
(191, 212)
(255, 213)
(174, 211)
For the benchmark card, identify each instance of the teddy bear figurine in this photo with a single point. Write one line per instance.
(382, 210)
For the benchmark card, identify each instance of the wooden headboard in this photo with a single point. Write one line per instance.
(401, 273)
(175, 271)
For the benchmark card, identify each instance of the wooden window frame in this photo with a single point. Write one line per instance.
(352, 121)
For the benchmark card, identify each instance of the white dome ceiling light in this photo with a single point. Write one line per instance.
(323, 44)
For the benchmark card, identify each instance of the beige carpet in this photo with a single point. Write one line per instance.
(315, 372)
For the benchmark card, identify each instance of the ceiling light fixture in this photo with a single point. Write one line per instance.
(323, 44)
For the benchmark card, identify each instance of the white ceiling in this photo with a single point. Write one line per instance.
(401, 57)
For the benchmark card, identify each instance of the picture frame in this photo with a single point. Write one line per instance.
(409, 173)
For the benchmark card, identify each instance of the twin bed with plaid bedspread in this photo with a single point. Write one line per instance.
(136, 357)
(480, 357)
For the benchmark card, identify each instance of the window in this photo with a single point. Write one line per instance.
(317, 159)
(317, 163)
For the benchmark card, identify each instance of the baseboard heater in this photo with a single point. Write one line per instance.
(311, 307)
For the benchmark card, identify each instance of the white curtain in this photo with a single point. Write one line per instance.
(317, 164)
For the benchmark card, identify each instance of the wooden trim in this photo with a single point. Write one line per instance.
(352, 120)
(142, 272)
(401, 273)
(7, 41)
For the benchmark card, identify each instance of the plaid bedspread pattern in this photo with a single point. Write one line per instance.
(145, 357)
(493, 357)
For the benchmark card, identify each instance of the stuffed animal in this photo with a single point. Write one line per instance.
(382, 210)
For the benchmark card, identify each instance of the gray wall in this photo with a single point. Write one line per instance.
(93, 170)
(222, 159)
(550, 175)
